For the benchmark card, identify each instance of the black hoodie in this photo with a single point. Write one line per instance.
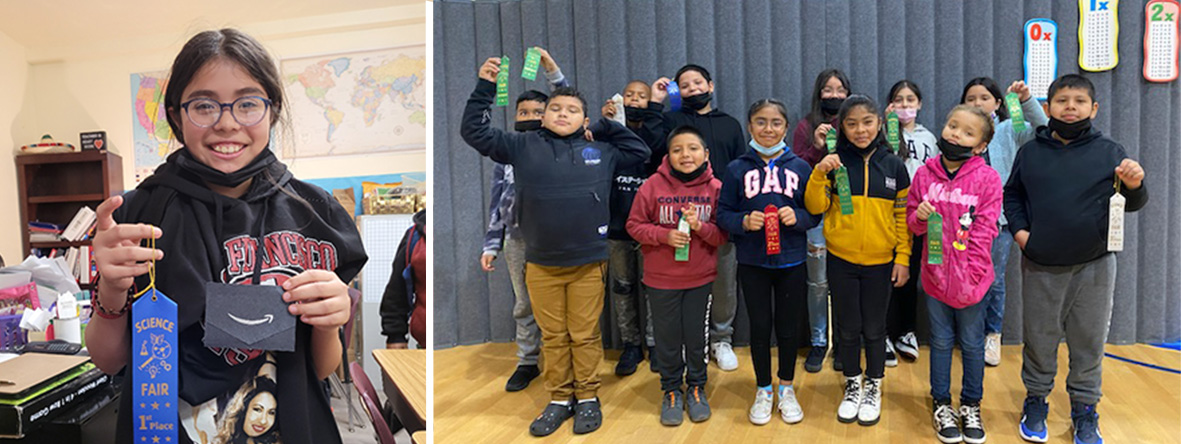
(563, 183)
(721, 132)
(210, 237)
(1061, 194)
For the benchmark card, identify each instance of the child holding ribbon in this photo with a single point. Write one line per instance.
(959, 197)
(1081, 182)
(831, 88)
(1012, 131)
(223, 210)
(679, 268)
(918, 146)
(723, 135)
(864, 211)
(762, 207)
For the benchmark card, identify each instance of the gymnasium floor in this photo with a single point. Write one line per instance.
(1140, 404)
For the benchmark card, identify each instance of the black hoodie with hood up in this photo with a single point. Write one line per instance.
(210, 237)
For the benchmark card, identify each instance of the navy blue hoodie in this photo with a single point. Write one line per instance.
(749, 184)
(563, 183)
(1060, 193)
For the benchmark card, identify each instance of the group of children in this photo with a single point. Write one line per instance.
(888, 213)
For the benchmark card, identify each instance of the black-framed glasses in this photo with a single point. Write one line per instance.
(247, 110)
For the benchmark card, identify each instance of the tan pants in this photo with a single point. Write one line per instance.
(567, 303)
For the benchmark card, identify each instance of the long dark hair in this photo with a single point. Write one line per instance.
(1002, 112)
(815, 115)
(230, 44)
(230, 429)
(862, 101)
(903, 146)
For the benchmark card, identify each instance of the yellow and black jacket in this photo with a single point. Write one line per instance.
(876, 232)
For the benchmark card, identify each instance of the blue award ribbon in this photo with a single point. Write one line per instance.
(154, 365)
(674, 96)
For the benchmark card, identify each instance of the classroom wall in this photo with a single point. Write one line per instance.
(14, 73)
(86, 87)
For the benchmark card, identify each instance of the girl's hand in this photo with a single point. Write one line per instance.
(609, 109)
(829, 163)
(690, 213)
(900, 275)
(924, 211)
(660, 89)
(819, 134)
(1021, 89)
(787, 216)
(753, 221)
(118, 254)
(490, 69)
(889, 108)
(677, 239)
(486, 262)
(319, 298)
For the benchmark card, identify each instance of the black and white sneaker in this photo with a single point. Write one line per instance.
(947, 426)
(973, 424)
(908, 346)
(891, 357)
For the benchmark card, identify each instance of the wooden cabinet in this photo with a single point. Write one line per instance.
(54, 186)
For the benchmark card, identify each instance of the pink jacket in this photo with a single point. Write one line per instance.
(970, 205)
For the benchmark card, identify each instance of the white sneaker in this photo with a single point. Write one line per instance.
(871, 402)
(891, 357)
(908, 346)
(760, 411)
(847, 411)
(789, 407)
(992, 349)
(724, 354)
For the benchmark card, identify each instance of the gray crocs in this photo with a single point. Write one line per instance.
(587, 416)
(550, 419)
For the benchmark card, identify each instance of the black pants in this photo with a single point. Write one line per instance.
(680, 318)
(862, 295)
(774, 296)
(903, 309)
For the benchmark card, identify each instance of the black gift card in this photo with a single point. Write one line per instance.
(250, 317)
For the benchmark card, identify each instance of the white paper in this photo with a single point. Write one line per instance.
(1115, 223)
(35, 319)
(67, 306)
(620, 115)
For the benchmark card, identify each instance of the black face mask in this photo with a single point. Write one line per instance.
(697, 102)
(187, 162)
(953, 152)
(525, 126)
(1070, 131)
(633, 114)
(831, 106)
(686, 177)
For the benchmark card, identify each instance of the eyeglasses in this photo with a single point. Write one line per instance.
(246, 110)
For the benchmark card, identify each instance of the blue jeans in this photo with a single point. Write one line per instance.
(994, 300)
(949, 325)
(817, 286)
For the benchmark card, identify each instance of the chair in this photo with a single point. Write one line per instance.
(333, 380)
(369, 396)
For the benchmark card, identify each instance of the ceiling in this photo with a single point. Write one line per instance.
(50, 23)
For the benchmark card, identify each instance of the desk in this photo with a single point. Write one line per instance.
(404, 375)
(418, 437)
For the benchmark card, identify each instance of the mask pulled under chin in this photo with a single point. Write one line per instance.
(187, 162)
(1070, 131)
(697, 102)
(953, 152)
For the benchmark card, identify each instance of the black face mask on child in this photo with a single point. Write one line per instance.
(633, 114)
(953, 152)
(697, 102)
(525, 126)
(1070, 131)
(686, 177)
(831, 106)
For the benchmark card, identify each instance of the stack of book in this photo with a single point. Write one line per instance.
(81, 227)
(44, 232)
(41, 386)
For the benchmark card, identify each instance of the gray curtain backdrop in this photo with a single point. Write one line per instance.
(775, 48)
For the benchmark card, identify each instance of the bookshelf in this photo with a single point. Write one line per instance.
(53, 187)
